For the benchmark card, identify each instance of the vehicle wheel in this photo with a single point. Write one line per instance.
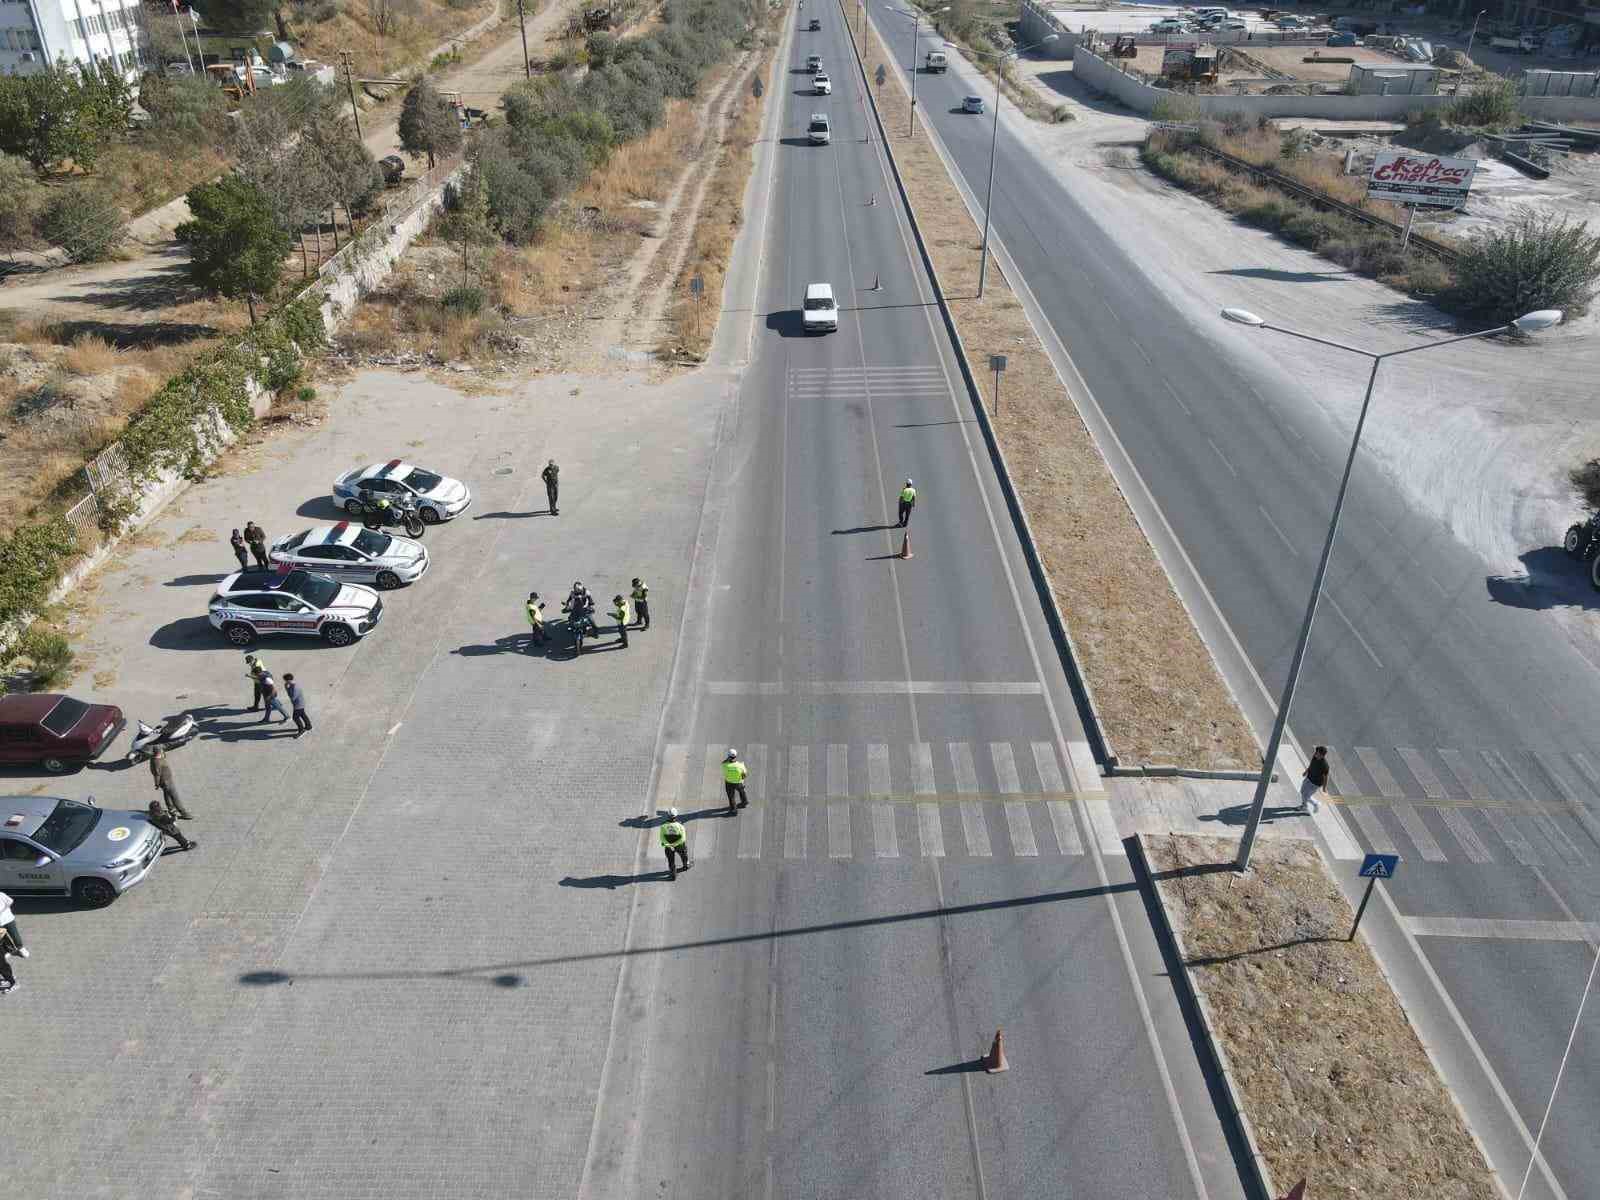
(239, 634)
(415, 528)
(56, 766)
(387, 580)
(337, 635)
(1594, 574)
(1573, 542)
(96, 893)
(353, 507)
(430, 516)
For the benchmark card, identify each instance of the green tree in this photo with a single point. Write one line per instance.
(1530, 263)
(236, 246)
(238, 16)
(428, 125)
(85, 222)
(21, 199)
(60, 114)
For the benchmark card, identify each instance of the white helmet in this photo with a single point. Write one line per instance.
(732, 754)
(908, 481)
(673, 813)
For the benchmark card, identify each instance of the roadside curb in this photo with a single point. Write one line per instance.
(1163, 771)
(1100, 744)
(1172, 943)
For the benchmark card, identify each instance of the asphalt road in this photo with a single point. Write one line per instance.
(1426, 682)
(803, 1015)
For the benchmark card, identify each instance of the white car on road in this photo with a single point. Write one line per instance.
(438, 497)
(821, 313)
(819, 130)
(821, 84)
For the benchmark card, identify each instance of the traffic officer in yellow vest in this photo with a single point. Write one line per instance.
(734, 773)
(641, 602)
(675, 841)
(536, 620)
(908, 501)
(619, 610)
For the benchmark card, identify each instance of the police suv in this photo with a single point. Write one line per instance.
(438, 497)
(352, 553)
(249, 604)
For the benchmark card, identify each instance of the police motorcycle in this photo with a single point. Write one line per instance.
(579, 607)
(171, 734)
(378, 511)
(1583, 543)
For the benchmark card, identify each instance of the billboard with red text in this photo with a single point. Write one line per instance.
(1424, 180)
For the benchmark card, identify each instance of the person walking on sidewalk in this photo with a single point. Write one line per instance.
(908, 501)
(257, 671)
(236, 540)
(734, 773)
(161, 772)
(1314, 781)
(158, 817)
(675, 841)
(269, 700)
(297, 702)
(257, 538)
(619, 610)
(641, 602)
(552, 485)
(8, 927)
(535, 608)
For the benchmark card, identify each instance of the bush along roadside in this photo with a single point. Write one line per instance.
(175, 431)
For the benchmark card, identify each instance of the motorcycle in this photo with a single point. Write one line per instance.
(376, 513)
(1583, 541)
(580, 624)
(169, 735)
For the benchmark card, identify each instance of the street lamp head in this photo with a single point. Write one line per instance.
(1242, 316)
(1051, 37)
(1545, 318)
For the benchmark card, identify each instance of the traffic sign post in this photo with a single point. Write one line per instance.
(1373, 868)
(697, 287)
(997, 364)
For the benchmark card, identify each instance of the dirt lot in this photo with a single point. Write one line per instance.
(1286, 59)
(1153, 679)
(1333, 1078)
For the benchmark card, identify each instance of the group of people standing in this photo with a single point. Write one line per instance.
(253, 541)
(580, 607)
(265, 697)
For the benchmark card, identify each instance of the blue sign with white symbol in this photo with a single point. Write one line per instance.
(1379, 866)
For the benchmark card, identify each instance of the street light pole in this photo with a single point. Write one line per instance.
(1474, 34)
(994, 142)
(527, 67)
(916, 33)
(1531, 323)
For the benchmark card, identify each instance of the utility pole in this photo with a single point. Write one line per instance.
(350, 82)
(527, 71)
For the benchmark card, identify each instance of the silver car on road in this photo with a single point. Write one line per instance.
(55, 847)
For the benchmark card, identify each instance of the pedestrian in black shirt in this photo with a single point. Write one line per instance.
(552, 485)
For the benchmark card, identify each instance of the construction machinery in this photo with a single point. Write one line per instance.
(1126, 46)
(596, 19)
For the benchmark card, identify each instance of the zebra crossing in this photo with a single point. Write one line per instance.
(1529, 808)
(912, 381)
(876, 802)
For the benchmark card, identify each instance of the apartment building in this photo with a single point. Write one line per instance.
(34, 33)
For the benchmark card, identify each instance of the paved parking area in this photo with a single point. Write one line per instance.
(376, 976)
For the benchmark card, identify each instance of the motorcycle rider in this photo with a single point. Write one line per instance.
(580, 607)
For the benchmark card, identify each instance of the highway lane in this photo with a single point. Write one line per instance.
(802, 1012)
(1425, 686)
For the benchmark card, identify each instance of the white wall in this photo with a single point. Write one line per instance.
(36, 33)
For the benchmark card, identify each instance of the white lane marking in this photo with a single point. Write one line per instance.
(1586, 769)
(1522, 931)
(1142, 353)
(1461, 829)
(1521, 849)
(1084, 770)
(838, 769)
(1005, 768)
(735, 687)
(975, 829)
(1044, 759)
(794, 830)
(1421, 837)
(966, 774)
(1178, 398)
(884, 841)
(930, 831)
(1282, 537)
(799, 770)
(755, 757)
(1022, 841)
(1471, 782)
(1066, 829)
(1097, 811)
(394, 728)
(1328, 596)
(877, 687)
(1421, 771)
(1231, 469)
(878, 770)
(1379, 770)
(669, 783)
(922, 769)
(1377, 836)
(750, 830)
(1110, 310)
(839, 830)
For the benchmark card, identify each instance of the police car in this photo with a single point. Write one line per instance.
(439, 498)
(249, 604)
(55, 847)
(352, 553)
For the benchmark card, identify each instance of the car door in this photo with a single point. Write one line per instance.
(27, 870)
(348, 564)
(15, 745)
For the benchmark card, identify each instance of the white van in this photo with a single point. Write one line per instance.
(821, 313)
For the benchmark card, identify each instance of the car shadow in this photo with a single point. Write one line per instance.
(814, 95)
(195, 580)
(254, 730)
(1553, 579)
(796, 141)
(1274, 275)
(322, 508)
(44, 905)
(787, 322)
(188, 633)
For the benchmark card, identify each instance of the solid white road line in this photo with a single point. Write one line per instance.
(877, 687)
(1522, 931)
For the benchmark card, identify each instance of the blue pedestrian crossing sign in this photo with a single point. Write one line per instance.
(1379, 866)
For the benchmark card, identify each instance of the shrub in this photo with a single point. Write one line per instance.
(48, 655)
(1492, 103)
(1535, 262)
(601, 47)
(21, 199)
(85, 223)
(466, 300)
(1062, 114)
(1586, 481)
(185, 110)
(1175, 108)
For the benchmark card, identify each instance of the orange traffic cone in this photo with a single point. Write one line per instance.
(905, 545)
(995, 1061)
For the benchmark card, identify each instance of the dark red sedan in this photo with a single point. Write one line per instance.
(54, 731)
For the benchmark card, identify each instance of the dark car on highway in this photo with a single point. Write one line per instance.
(55, 732)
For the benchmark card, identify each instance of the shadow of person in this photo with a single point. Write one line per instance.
(611, 882)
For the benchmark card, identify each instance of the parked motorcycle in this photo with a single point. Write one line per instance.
(402, 511)
(171, 734)
(581, 625)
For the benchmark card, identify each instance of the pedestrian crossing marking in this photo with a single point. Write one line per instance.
(838, 831)
(799, 770)
(1461, 829)
(838, 769)
(966, 773)
(1066, 829)
(1379, 771)
(1005, 768)
(1519, 846)
(755, 757)
(976, 830)
(1421, 772)
(1563, 846)
(1471, 782)
(884, 842)
(922, 768)
(878, 770)
(930, 831)
(1044, 759)
(1339, 779)
(750, 831)
(1412, 823)
(1023, 844)
(1377, 836)
(1586, 769)
(794, 831)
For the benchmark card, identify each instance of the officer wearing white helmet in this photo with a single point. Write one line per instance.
(734, 773)
(675, 841)
(908, 501)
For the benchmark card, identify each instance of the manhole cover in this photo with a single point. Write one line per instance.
(504, 470)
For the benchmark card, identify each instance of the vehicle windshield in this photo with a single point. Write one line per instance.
(370, 541)
(316, 590)
(423, 481)
(818, 304)
(818, 126)
(60, 719)
(294, 542)
(64, 829)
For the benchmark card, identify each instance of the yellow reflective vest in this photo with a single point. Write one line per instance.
(734, 772)
(673, 834)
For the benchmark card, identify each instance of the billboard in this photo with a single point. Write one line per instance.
(1423, 180)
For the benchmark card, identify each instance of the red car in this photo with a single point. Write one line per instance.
(55, 731)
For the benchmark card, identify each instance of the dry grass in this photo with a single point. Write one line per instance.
(352, 29)
(140, 175)
(1333, 1078)
(89, 355)
(1153, 679)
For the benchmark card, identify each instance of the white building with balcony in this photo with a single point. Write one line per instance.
(36, 33)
